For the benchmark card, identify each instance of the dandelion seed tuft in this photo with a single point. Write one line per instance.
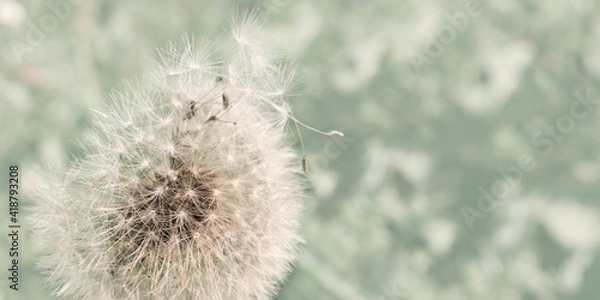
(188, 188)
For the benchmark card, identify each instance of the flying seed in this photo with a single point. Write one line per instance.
(192, 111)
(304, 164)
(225, 101)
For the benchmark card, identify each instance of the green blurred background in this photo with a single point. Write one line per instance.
(470, 165)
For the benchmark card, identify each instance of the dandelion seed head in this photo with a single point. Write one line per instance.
(182, 193)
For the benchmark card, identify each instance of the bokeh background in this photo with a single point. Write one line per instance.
(470, 165)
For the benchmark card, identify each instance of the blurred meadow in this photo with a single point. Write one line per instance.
(471, 160)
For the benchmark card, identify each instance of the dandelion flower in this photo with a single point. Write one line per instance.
(187, 189)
